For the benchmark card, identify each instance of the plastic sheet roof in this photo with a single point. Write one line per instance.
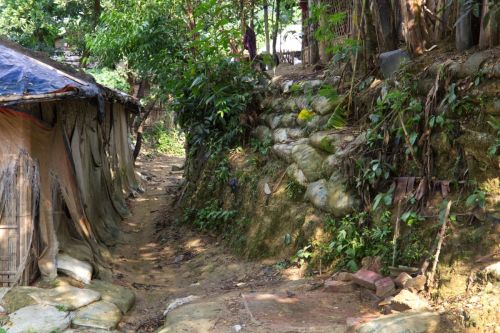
(28, 75)
(21, 75)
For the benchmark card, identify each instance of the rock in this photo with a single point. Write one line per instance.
(273, 120)
(401, 280)
(263, 133)
(493, 270)
(17, 298)
(310, 85)
(309, 160)
(366, 278)
(339, 286)
(295, 133)
(39, 319)
(288, 120)
(372, 264)
(280, 135)
(342, 276)
(284, 150)
(331, 196)
(324, 140)
(323, 105)
(237, 328)
(2, 310)
(122, 297)
(101, 315)
(74, 268)
(385, 287)
(414, 322)
(179, 302)
(417, 283)
(285, 86)
(330, 165)
(296, 174)
(68, 297)
(406, 300)
(391, 61)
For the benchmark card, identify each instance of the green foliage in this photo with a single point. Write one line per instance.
(211, 217)
(164, 140)
(37, 24)
(384, 198)
(223, 170)
(2, 330)
(61, 308)
(476, 199)
(354, 240)
(411, 218)
(303, 255)
(261, 147)
(294, 190)
(110, 78)
(494, 149)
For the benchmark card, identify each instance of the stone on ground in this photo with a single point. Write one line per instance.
(391, 61)
(406, 300)
(417, 283)
(385, 287)
(101, 315)
(68, 297)
(302, 312)
(331, 196)
(309, 160)
(401, 280)
(194, 317)
(339, 286)
(342, 276)
(39, 319)
(366, 278)
(414, 322)
(295, 173)
(77, 269)
(122, 297)
(17, 298)
(493, 270)
(262, 133)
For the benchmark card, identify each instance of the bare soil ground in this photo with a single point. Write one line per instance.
(161, 260)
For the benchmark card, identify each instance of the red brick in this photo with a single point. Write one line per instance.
(385, 287)
(339, 286)
(366, 278)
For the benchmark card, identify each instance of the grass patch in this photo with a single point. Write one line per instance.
(164, 140)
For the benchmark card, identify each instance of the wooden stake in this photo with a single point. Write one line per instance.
(442, 233)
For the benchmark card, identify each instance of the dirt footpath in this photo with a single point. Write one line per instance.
(162, 260)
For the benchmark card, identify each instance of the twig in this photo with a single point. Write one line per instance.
(396, 236)
(442, 232)
(407, 139)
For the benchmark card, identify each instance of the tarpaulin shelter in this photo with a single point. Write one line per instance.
(65, 165)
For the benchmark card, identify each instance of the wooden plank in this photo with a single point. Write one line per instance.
(5, 226)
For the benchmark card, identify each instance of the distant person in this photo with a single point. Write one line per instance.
(250, 42)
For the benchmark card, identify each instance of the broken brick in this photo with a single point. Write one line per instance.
(366, 278)
(385, 287)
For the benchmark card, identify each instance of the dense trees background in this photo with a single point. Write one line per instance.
(178, 52)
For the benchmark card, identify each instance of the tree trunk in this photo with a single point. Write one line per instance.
(276, 24)
(489, 35)
(313, 43)
(464, 39)
(415, 31)
(266, 26)
(385, 25)
(97, 12)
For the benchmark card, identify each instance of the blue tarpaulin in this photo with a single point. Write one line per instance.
(22, 75)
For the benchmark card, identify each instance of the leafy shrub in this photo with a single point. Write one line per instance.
(353, 240)
(210, 107)
(110, 78)
(294, 190)
(164, 140)
(211, 217)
